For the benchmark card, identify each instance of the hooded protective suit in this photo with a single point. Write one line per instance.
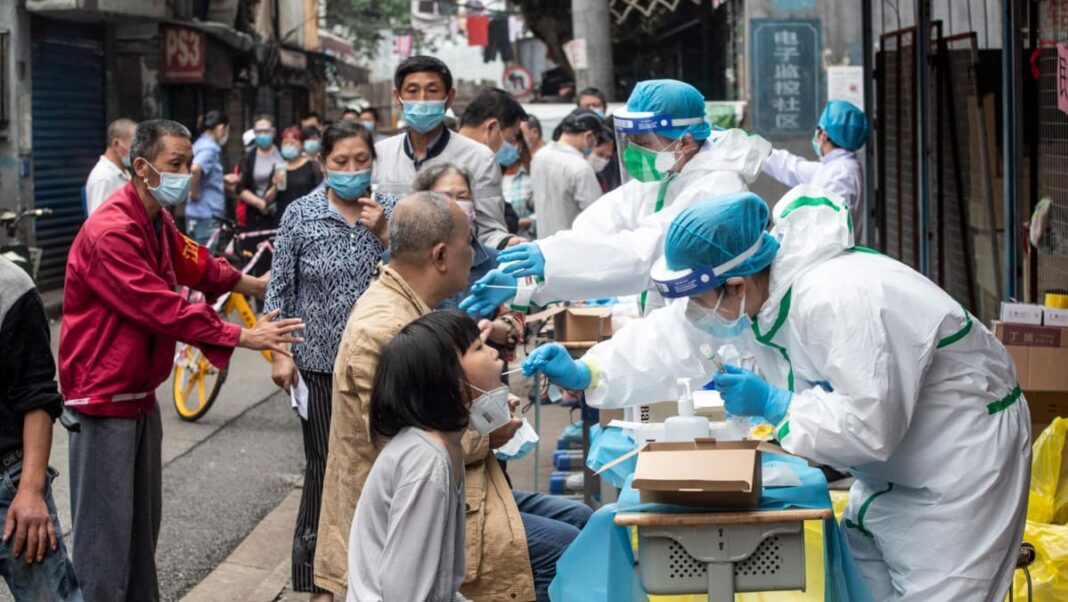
(891, 377)
(621, 235)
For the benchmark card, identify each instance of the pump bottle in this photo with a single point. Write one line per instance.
(686, 426)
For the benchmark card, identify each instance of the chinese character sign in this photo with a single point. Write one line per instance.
(785, 55)
(1062, 77)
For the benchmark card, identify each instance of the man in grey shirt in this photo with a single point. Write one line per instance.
(423, 89)
(564, 183)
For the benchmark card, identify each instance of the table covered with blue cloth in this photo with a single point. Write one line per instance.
(599, 564)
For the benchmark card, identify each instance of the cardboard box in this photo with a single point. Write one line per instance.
(1030, 336)
(1054, 317)
(1021, 313)
(1040, 354)
(578, 324)
(703, 473)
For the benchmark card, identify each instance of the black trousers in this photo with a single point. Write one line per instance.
(316, 431)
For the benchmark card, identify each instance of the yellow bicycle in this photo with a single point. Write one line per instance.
(196, 381)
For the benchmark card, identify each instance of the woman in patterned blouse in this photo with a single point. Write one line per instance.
(326, 252)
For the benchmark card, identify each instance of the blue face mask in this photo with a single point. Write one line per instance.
(424, 115)
(290, 152)
(311, 146)
(348, 185)
(126, 160)
(712, 323)
(599, 112)
(816, 145)
(264, 140)
(173, 188)
(507, 154)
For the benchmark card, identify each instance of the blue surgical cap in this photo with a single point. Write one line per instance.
(671, 97)
(845, 124)
(713, 231)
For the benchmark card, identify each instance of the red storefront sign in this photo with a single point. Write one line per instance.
(183, 55)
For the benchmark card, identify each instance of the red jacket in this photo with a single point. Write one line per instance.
(121, 314)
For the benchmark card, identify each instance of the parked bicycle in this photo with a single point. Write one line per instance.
(196, 381)
(19, 252)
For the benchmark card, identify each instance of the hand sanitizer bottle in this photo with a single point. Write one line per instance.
(686, 426)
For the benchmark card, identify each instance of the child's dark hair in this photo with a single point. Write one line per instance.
(418, 379)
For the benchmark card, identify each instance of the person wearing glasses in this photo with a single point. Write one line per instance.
(261, 178)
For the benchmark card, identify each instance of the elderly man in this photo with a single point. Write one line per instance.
(111, 172)
(121, 320)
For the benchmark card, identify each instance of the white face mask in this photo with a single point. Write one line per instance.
(490, 411)
(713, 323)
(597, 162)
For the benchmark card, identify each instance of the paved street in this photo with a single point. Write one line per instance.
(231, 484)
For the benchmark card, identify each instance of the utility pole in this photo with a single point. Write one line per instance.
(591, 21)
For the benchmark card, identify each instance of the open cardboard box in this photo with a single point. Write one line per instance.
(704, 473)
(577, 324)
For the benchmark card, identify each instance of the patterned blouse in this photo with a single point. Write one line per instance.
(321, 266)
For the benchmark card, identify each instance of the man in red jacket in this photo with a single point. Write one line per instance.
(121, 321)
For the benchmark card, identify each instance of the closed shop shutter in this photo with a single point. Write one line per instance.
(68, 132)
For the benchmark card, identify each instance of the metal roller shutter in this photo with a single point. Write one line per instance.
(68, 132)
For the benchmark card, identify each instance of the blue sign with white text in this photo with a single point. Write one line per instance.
(785, 58)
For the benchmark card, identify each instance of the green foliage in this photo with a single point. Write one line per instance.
(367, 19)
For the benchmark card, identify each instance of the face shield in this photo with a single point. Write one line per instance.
(648, 144)
(675, 284)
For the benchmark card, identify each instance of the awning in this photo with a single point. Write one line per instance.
(233, 38)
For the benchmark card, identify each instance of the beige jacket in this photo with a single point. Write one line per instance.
(498, 566)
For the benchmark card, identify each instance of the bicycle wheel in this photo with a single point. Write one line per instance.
(196, 383)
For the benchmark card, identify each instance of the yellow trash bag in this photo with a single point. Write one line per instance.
(1047, 515)
(813, 565)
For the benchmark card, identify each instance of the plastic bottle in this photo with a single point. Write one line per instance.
(686, 426)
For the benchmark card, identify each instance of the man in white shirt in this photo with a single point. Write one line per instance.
(112, 170)
(564, 183)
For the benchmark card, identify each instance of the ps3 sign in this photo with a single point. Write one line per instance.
(183, 55)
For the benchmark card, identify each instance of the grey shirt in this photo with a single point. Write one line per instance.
(394, 173)
(564, 185)
(264, 169)
(407, 537)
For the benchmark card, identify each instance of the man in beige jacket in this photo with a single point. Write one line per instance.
(430, 258)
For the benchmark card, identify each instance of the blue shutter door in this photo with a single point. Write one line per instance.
(68, 132)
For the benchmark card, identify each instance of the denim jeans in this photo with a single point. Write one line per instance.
(200, 228)
(551, 524)
(51, 579)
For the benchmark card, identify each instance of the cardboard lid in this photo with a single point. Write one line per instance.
(702, 465)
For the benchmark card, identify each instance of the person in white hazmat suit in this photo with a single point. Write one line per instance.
(865, 363)
(670, 157)
(842, 129)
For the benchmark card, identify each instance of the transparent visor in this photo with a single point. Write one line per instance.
(645, 152)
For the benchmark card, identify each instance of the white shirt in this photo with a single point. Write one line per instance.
(105, 179)
(838, 172)
(564, 185)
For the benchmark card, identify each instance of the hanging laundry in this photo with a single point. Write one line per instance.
(478, 31)
(402, 45)
(498, 41)
(516, 24)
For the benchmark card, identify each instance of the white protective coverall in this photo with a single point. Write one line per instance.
(614, 243)
(838, 172)
(891, 377)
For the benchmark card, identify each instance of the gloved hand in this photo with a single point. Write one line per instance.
(746, 394)
(488, 293)
(522, 260)
(555, 362)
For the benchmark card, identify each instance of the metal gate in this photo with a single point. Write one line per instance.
(1051, 146)
(68, 132)
(959, 194)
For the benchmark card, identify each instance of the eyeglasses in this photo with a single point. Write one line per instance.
(263, 131)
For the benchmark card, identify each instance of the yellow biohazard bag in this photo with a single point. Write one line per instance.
(1047, 515)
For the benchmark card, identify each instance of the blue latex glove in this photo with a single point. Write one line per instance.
(746, 394)
(555, 362)
(522, 260)
(488, 293)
